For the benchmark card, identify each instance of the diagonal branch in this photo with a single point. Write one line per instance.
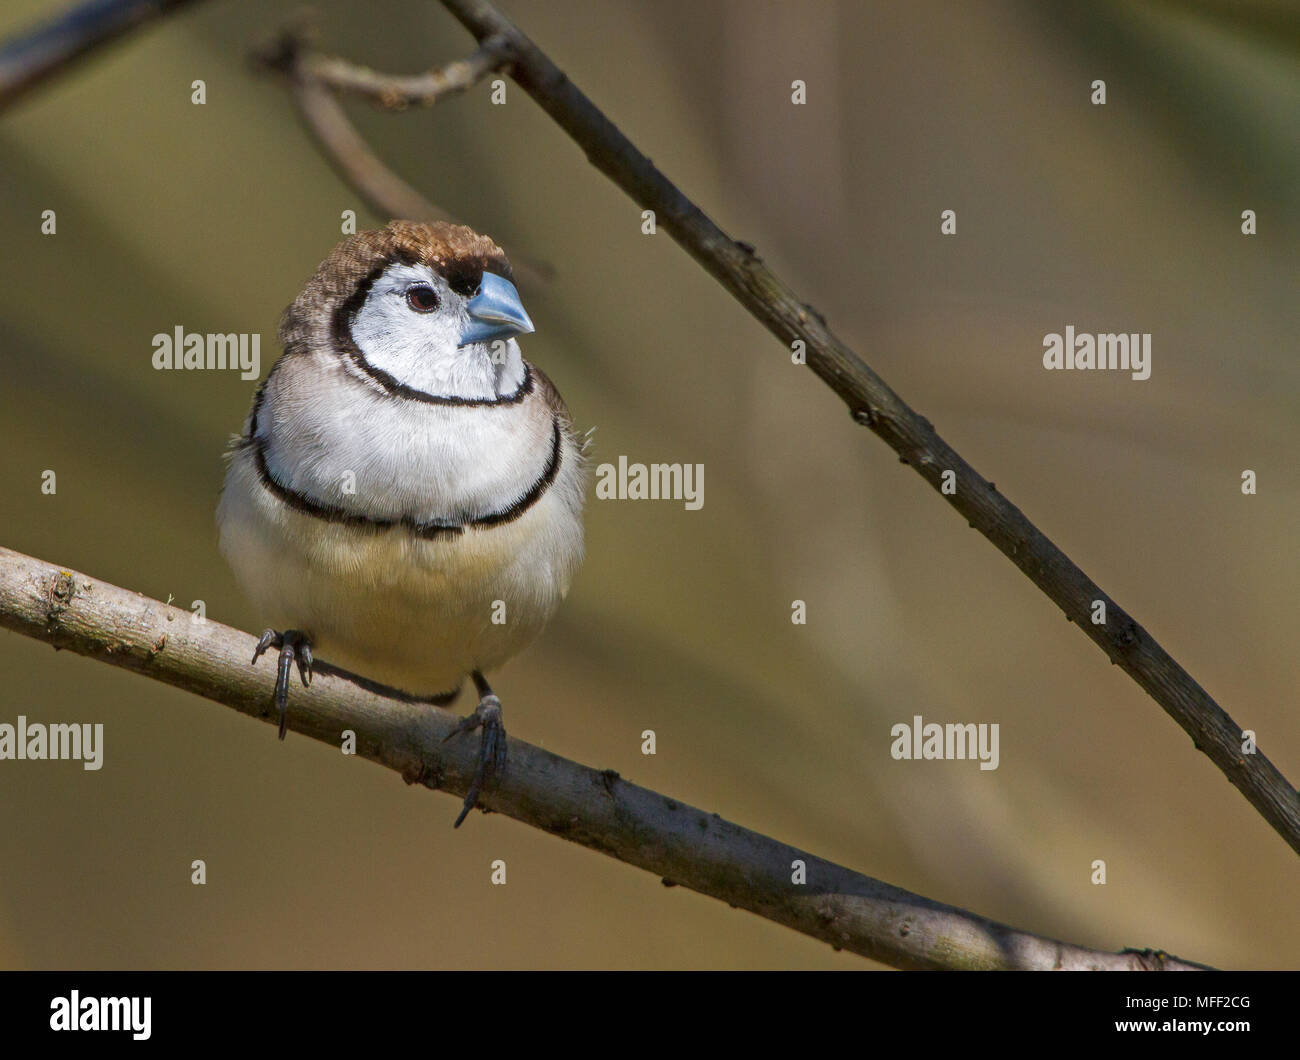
(312, 78)
(874, 405)
(596, 809)
(382, 189)
(53, 46)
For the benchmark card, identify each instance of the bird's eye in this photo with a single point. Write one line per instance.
(422, 299)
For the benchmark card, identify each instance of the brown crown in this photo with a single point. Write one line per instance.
(457, 253)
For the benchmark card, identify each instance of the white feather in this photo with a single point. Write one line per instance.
(409, 612)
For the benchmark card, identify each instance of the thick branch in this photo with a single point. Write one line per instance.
(875, 405)
(51, 47)
(596, 809)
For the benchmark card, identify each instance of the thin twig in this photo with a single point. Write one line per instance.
(383, 190)
(54, 45)
(596, 809)
(873, 404)
(388, 195)
(395, 92)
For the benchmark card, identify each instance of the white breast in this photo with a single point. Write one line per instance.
(415, 613)
(362, 450)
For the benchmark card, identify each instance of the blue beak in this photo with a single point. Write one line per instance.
(495, 312)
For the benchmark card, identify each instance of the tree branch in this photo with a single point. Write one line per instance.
(685, 846)
(874, 405)
(396, 92)
(596, 809)
(29, 58)
(383, 190)
(311, 77)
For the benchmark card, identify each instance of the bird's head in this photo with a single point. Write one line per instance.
(422, 309)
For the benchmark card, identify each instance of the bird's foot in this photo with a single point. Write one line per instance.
(491, 747)
(295, 646)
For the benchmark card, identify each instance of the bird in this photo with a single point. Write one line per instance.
(405, 499)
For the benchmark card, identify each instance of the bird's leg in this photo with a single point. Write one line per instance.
(295, 646)
(491, 746)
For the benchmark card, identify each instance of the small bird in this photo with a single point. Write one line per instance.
(406, 497)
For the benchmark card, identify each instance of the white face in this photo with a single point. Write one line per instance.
(410, 327)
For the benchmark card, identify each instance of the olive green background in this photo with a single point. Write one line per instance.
(1117, 218)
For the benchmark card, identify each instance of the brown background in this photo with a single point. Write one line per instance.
(1117, 218)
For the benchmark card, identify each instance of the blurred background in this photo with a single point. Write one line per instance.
(1123, 217)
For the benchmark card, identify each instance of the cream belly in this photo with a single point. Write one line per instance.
(416, 614)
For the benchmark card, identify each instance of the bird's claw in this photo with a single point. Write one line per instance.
(491, 749)
(295, 646)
